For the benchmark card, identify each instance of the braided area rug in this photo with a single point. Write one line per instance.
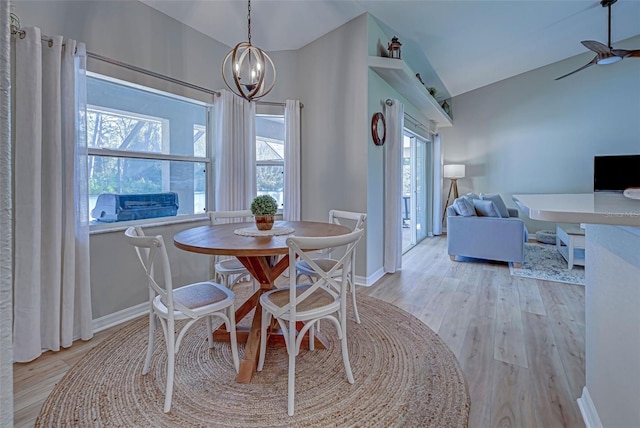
(405, 376)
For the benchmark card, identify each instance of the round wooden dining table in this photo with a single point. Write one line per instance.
(266, 258)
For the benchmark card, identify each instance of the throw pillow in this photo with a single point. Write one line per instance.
(496, 199)
(486, 208)
(472, 196)
(464, 208)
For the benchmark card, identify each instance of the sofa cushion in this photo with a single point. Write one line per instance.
(471, 196)
(497, 200)
(486, 208)
(464, 207)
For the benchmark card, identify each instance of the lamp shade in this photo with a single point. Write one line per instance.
(454, 171)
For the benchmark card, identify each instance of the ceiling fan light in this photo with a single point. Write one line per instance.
(609, 60)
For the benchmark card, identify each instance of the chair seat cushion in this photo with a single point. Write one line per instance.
(200, 294)
(318, 299)
(230, 264)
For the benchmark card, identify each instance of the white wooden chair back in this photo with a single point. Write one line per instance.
(152, 253)
(300, 247)
(352, 220)
(220, 217)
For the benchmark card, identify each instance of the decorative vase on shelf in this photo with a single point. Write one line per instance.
(263, 208)
(446, 108)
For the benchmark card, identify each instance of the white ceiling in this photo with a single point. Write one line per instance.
(469, 44)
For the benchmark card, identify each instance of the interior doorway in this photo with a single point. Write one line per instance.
(415, 186)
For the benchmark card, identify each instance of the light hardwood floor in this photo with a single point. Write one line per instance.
(520, 342)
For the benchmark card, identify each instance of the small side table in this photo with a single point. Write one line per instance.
(570, 243)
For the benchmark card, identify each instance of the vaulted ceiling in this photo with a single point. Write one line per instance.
(469, 44)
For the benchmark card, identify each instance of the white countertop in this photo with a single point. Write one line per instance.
(592, 208)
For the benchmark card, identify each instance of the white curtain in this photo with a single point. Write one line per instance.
(394, 118)
(6, 257)
(52, 295)
(437, 185)
(235, 153)
(292, 160)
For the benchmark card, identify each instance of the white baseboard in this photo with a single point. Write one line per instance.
(119, 317)
(371, 279)
(588, 410)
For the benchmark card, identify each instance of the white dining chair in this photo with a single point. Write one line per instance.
(190, 302)
(327, 260)
(324, 299)
(228, 270)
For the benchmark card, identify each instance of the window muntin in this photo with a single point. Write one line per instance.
(145, 142)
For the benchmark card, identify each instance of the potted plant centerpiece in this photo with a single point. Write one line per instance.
(263, 208)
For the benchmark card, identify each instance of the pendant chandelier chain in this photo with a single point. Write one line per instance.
(609, 38)
(249, 21)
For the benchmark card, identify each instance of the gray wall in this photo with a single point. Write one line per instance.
(332, 83)
(378, 91)
(531, 134)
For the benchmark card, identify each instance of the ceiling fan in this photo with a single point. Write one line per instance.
(605, 54)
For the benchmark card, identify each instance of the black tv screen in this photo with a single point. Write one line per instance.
(616, 173)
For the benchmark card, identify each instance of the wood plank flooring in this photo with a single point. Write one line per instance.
(520, 342)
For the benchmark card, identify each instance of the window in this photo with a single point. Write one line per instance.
(270, 156)
(148, 152)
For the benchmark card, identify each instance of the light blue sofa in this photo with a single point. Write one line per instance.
(489, 238)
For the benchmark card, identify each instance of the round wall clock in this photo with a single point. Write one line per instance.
(378, 128)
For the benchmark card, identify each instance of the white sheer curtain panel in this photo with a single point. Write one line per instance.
(292, 160)
(52, 295)
(437, 185)
(235, 153)
(6, 252)
(394, 118)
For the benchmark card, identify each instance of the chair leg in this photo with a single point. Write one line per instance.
(291, 349)
(345, 352)
(353, 299)
(266, 321)
(150, 342)
(171, 358)
(312, 336)
(210, 331)
(234, 340)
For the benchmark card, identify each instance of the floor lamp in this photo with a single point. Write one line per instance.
(452, 172)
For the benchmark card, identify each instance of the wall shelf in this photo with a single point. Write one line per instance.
(399, 76)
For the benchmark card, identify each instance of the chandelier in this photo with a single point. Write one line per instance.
(247, 70)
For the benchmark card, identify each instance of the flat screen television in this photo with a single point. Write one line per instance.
(615, 172)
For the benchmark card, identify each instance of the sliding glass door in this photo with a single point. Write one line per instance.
(414, 186)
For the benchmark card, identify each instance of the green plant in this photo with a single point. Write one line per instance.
(264, 205)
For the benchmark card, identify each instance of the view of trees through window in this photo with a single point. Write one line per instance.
(118, 132)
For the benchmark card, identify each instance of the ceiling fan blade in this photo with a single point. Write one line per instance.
(593, 61)
(597, 47)
(623, 53)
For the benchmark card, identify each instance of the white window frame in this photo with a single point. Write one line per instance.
(163, 156)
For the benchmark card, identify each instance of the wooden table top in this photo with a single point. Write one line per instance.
(221, 240)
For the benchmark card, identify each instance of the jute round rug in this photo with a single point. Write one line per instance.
(405, 376)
